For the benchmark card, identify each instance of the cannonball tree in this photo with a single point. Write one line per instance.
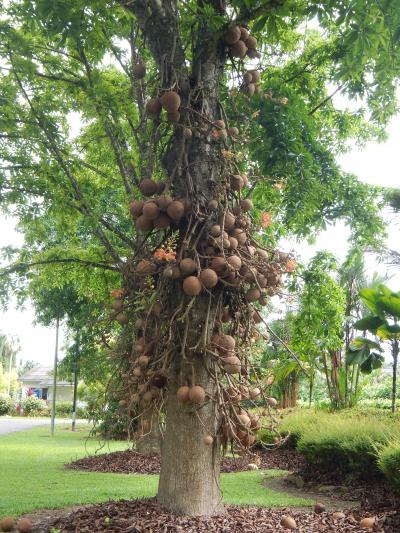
(143, 142)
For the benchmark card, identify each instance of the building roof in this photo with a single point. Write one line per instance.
(43, 375)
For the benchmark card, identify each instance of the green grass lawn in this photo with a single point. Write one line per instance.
(32, 476)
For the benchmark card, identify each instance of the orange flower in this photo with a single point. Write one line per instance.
(170, 256)
(160, 254)
(117, 293)
(291, 265)
(266, 220)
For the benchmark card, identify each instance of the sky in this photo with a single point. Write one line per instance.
(376, 163)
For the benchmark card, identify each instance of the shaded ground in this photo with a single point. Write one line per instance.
(146, 516)
(356, 499)
(131, 462)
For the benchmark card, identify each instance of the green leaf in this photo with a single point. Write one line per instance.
(374, 361)
(360, 343)
(370, 323)
(388, 331)
(390, 305)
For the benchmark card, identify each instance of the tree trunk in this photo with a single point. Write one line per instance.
(189, 480)
(150, 436)
(395, 352)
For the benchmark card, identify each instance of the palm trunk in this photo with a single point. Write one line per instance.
(395, 353)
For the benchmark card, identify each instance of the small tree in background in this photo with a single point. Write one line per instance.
(383, 322)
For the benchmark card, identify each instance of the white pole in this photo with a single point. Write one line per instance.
(53, 402)
(9, 374)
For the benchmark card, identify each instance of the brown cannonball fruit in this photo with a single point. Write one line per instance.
(227, 221)
(248, 440)
(232, 364)
(254, 393)
(208, 440)
(235, 262)
(139, 71)
(161, 186)
(232, 35)
(258, 89)
(222, 135)
(257, 317)
(174, 117)
(137, 372)
(252, 295)
(147, 396)
(197, 394)
(170, 101)
(240, 235)
(233, 132)
(117, 305)
(236, 182)
(212, 204)
(220, 124)
(272, 402)
(367, 523)
(288, 522)
(163, 202)
(218, 264)
(245, 180)
(319, 508)
(338, 515)
(140, 323)
(153, 107)
(143, 360)
(140, 344)
(247, 77)
(151, 210)
(167, 272)
(176, 210)
(209, 278)
(244, 33)
(148, 187)
(246, 205)
(145, 268)
(251, 42)
(263, 254)
(239, 49)
(244, 420)
(248, 89)
(227, 342)
(187, 266)
(187, 133)
(192, 286)
(136, 208)
(233, 243)
(256, 75)
(263, 300)
(24, 525)
(215, 230)
(6, 523)
(122, 319)
(162, 221)
(182, 394)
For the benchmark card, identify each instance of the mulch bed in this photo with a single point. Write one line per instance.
(131, 462)
(147, 516)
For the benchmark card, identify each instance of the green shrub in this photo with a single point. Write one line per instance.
(6, 404)
(33, 406)
(389, 462)
(64, 410)
(345, 441)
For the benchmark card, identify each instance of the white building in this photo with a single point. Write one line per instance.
(39, 381)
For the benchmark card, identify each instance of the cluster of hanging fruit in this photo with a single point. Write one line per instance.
(241, 43)
(214, 256)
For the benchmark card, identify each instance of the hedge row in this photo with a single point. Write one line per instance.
(359, 444)
(33, 406)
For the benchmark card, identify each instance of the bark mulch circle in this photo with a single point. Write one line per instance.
(147, 516)
(131, 462)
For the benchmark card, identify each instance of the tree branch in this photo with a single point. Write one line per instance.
(325, 100)
(26, 266)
